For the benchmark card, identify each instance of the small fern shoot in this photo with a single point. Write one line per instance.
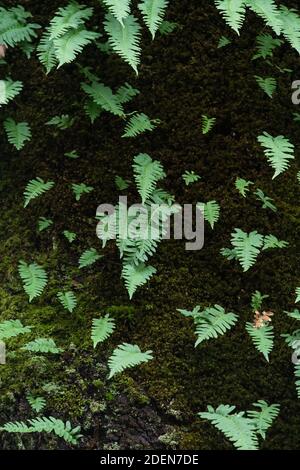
(17, 133)
(88, 258)
(264, 417)
(36, 403)
(211, 212)
(42, 345)
(247, 247)
(80, 189)
(278, 150)
(9, 90)
(207, 124)
(138, 124)
(12, 328)
(136, 276)
(242, 186)
(44, 223)
(102, 328)
(153, 12)
(68, 300)
(263, 338)
(34, 279)
(125, 356)
(268, 85)
(36, 188)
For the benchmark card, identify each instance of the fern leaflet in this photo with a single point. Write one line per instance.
(34, 279)
(153, 12)
(17, 133)
(125, 356)
(102, 328)
(68, 300)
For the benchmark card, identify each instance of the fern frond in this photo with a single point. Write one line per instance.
(268, 85)
(125, 356)
(233, 12)
(147, 173)
(125, 40)
(36, 188)
(136, 276)
(297, 292)
(9, 90)
(270, 241)
(56, 426)
(80, 189)
(207, 124)
(36, 403)
(267, 202)
(119, 8)
(46, 52)
(257, 299)
(246, 247)
(42, 345)
(70, 17)
(242, 186)
(68, 300)
(211, 212)
(266, 45)
(103, 96)
(17, 133)
(70, 236)
(263, 338)
(138, 124)
(14, 28)
(102, 328)
(278, 150)
(12, 328)
(68, 46)
(190, 177)
(34, 279)
(268, 11)
(239, 429)
(88, 258)
(213, 322)
(290, 26)
(263, 418)
(16, 427)
(153, 12)
(44, 223)
(125, 93)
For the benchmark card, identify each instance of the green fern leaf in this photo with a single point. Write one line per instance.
(153, 12)
(270, 242)
(68, 46)
(68, 300)
(290, 26)
(80, 189)
(136, 276)
(17, 133)
(211, 212)
(36, 188)
(14, 28)
(46, 52)
(268, 85)
(56, 426)
(12, 328)
(278, 150)
(242, 186)
(239, 429)
(246, 247)
(119, 8)
(125, 40)
(44, 223)
(16, 427)
(213, 322)
(267, 202)
(297, 292)
(88, 258)
(147, 173)
(34, 279)
(36, 403)
(70, 17)
(233, 12)
(125, 356)
(102, 328)
(138, 124)
(190, 177)
(42, 345)
(70, 236)
(9, 90)
(104, 97)
(125, 93)
(257, 299)
(263, 418)
(268, 11)
(266, 45)
(263, 338)
(207, 124)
